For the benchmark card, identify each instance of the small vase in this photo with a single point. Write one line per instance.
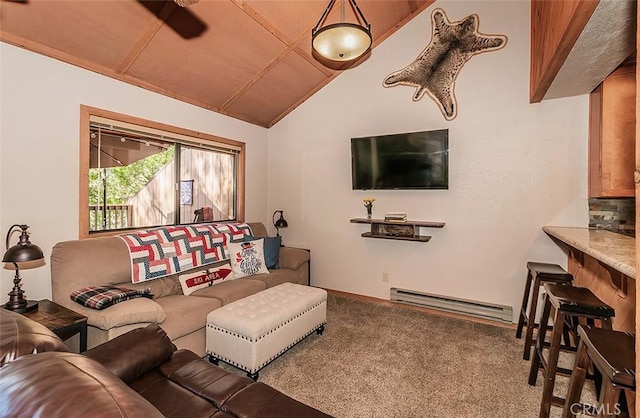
(369, 212)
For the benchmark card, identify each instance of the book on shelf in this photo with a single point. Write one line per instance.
(395, 217)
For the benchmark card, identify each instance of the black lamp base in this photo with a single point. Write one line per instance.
(31, 305)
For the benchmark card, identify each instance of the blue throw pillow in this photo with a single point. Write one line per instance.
(271, 249)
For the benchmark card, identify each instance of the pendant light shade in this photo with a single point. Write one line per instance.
(341, 41)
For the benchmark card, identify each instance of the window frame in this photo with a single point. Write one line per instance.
(86, 112)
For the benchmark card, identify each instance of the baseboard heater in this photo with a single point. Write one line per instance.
(445, 303)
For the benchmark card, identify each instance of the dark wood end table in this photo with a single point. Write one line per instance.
(62, 321)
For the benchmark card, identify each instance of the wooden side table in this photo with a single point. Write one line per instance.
(64, 322)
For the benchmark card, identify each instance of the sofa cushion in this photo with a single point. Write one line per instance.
(163, 286)
(101, 297)
(129, 312)
(276, 277)
(260, 400)
(232, 291)
(202, 279)
(188, 386)
(135, 353)
(20, 335)
(186, 314)
(292, 258)
(247, 258)
(58, 384)
(88, 262)
(271, 249)
(211, 382)
(258, 229)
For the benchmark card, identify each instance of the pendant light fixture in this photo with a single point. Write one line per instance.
(341, 41)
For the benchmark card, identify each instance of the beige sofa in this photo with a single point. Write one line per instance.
(105, 261)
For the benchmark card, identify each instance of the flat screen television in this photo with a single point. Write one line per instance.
(415, 160)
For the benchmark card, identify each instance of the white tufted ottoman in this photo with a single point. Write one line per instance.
(251, 332)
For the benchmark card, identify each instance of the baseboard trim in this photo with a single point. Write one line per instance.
(387, 302)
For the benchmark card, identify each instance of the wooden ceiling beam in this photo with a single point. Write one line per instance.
(291, 44)
(253, 14)
(165, 12)
(255, 79)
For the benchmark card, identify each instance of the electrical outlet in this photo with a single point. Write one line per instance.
(385, 276)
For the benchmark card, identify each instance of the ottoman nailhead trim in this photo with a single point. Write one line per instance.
(235, 334)
(241, 367)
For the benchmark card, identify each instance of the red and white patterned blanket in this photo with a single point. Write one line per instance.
(164, 251)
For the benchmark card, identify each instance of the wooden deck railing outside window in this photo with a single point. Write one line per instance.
(116, 217)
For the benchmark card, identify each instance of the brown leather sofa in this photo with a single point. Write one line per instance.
(138, 374)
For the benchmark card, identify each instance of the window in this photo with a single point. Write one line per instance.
(138, 174)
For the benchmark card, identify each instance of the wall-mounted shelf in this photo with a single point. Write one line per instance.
(403, 231)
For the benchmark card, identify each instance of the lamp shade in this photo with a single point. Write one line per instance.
(21, 253)
(24, 250)
(342, 41)
(281, 223)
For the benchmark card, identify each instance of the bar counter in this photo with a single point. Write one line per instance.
(615, 250)
(604, 262)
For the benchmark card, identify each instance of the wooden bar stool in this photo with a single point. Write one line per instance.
(537, 275)
(613, 354)
(572, 303)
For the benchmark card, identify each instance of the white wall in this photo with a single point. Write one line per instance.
(39, 133)
(514, 167)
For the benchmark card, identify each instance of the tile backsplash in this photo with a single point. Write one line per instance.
(613, 214)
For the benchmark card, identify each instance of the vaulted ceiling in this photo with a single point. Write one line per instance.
(249, 59)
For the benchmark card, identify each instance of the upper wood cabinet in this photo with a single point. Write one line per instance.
(555, 28)
(612, 129)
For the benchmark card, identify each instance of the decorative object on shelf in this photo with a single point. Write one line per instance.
(342, 41)
(280, 222)
(404, 231)
(23, 251)
(399, 217)
(438, 65)
(368, 203)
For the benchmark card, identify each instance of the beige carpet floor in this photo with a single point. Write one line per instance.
(375, 360)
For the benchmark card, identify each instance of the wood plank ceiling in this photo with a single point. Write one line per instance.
(247, 59)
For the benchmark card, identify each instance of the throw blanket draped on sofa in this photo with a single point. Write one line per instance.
(160, 252)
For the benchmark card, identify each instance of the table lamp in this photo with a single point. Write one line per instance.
(23, 251)
(280, 222)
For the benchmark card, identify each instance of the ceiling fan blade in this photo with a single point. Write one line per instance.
(185, 3)
(182, 20)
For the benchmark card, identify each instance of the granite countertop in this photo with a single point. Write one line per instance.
(615, 250)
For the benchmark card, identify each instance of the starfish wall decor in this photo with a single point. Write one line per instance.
(438, 65)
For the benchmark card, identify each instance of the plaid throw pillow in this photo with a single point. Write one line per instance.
(101, 297)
